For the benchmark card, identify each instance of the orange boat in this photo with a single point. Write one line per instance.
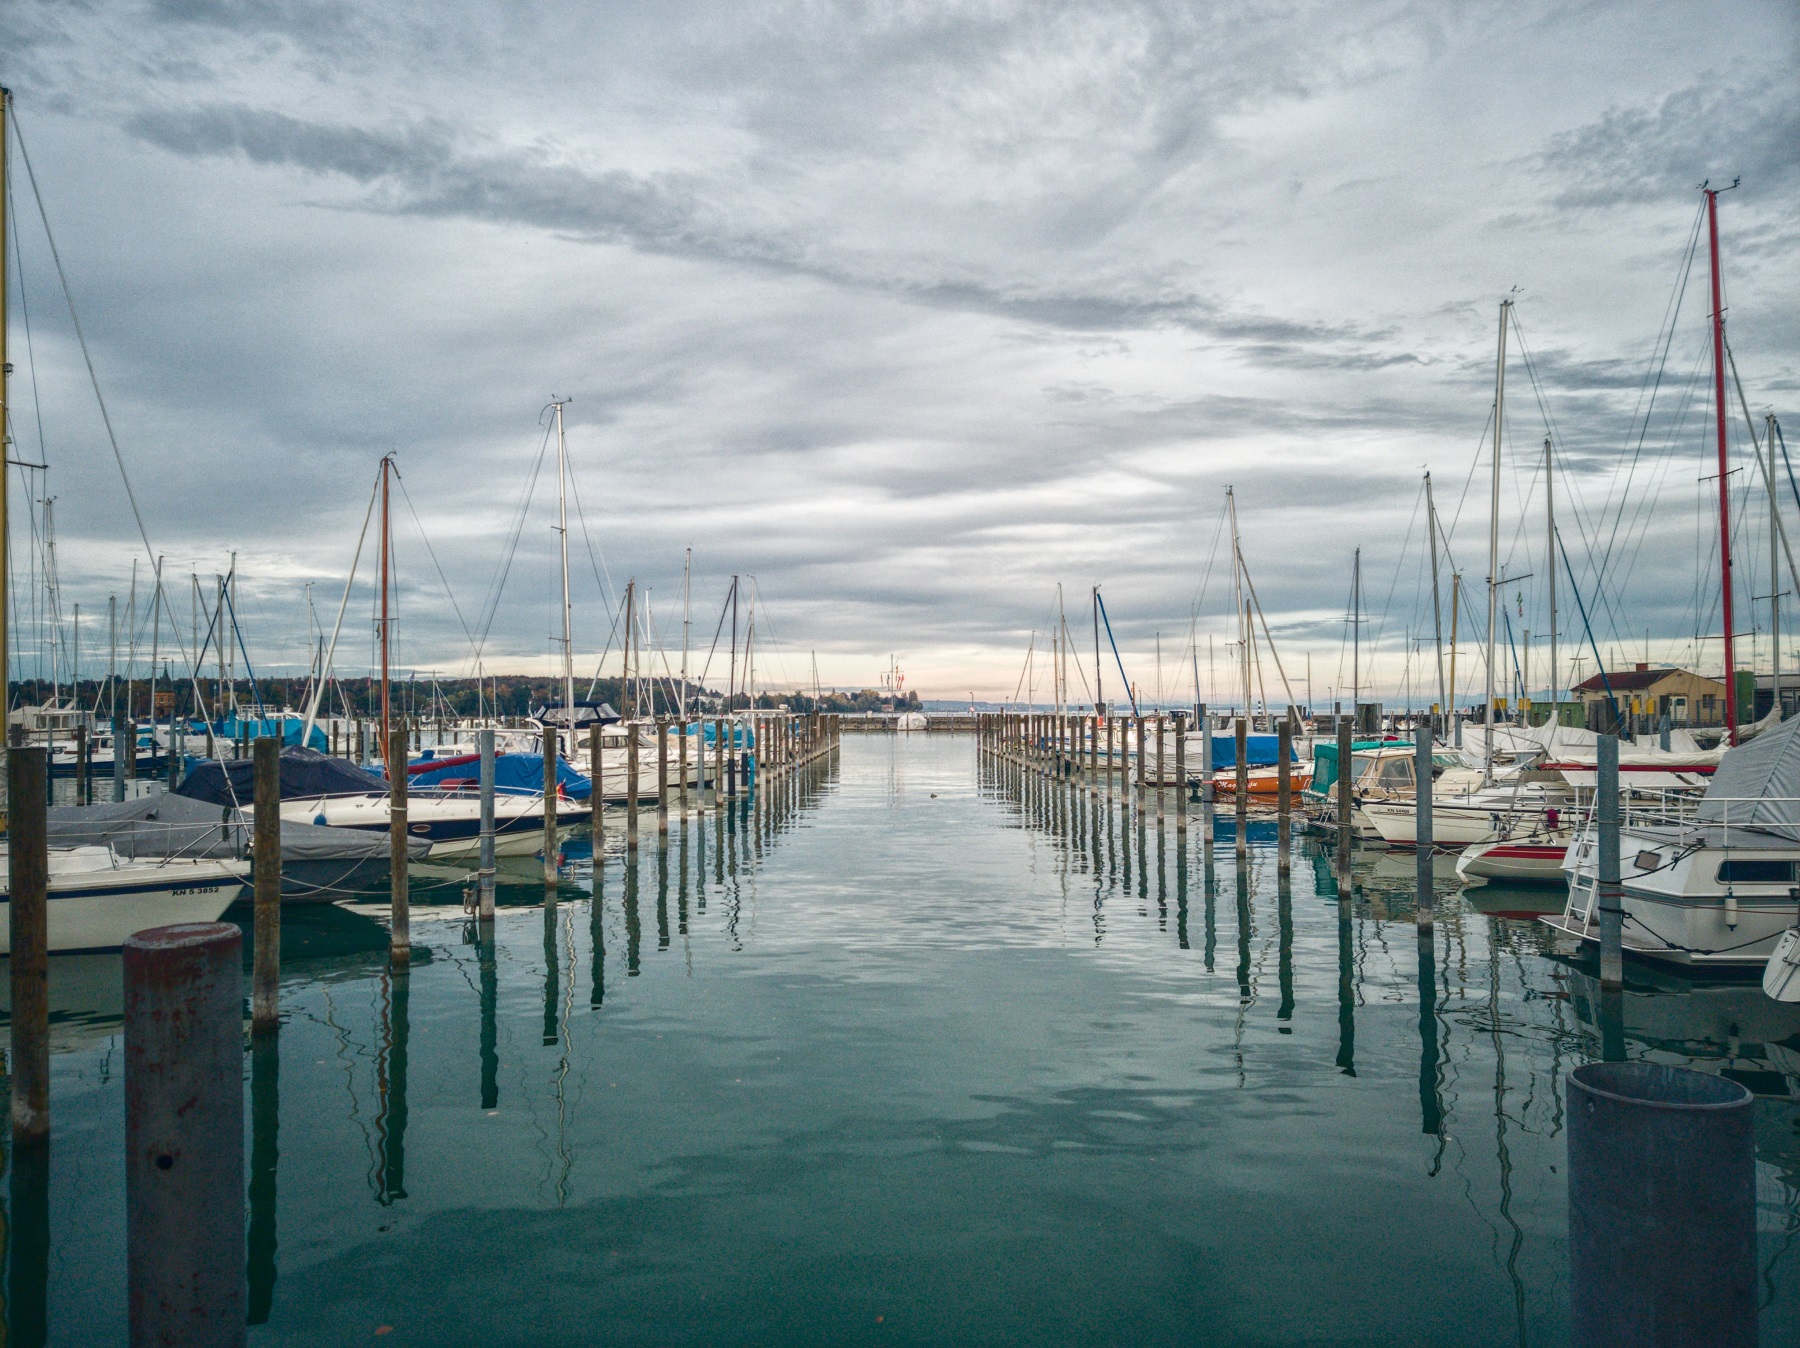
(1262, 781)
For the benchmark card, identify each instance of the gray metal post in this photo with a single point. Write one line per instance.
(662, 782)
(1284, 796)
(184, 1135)
(1422, 827)
(1181, 774)
(1662, 1207)
(485, 878)
(118, 772)
(265, 1017)
(550, 787)
(631, 787)
(1345, 806)
(1612, 912)
(400, 911)
(28, 861)
(1208, 790)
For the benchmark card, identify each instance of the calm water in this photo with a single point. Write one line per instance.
(928, 1055)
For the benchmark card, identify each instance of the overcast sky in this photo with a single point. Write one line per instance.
(911, 311)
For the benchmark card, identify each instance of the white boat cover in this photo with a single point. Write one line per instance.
(169, 825)
(1758, 784)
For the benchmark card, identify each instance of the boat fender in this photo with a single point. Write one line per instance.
(319, 819)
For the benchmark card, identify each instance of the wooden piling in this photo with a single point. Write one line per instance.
(551, 784)
(1160, 720)
(484, 879)
(1284, 796)
(1608, 892)
(662, 781)
(28, 861)
(1241, 773)
(1345, 811)
(681, 769)
(118, 763)
(81, 765)
(265, 1012)
(718, 779)
(1141, 765)
(1422, 839)
(1181, 773)
(184, 1135)
(631, 787)
(400, 919)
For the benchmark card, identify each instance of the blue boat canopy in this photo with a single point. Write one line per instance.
(514, 774)
(1260, 751)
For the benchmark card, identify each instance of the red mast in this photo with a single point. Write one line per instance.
(387, 729)
(1718, 320)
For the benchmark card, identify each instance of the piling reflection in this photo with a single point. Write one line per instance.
(28, 1247)
(265, 1157)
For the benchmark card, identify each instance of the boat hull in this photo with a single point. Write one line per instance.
(1519, 863)
(98, 910)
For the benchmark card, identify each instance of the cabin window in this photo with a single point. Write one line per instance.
(1741, 872)
(1649, 861)
(1396, 772)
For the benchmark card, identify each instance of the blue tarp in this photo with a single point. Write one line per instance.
(258, 727)
(1262, 751)
(514, 774)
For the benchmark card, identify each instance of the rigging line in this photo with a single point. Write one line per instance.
(1130, 692)
(1666, 336)
(1406, 542)
(1587, 627)
(724, 611)
(81, 338)
(490, 604)
(596, 558)
(37, 404)
(430, 552)
(600, 664)
(1474, 464)
(1275, 654)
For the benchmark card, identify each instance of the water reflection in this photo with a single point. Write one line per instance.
(265, 1157)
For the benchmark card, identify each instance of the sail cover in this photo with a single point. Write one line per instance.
(1260, 751)
(1758, 784)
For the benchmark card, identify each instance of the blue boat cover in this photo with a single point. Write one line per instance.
(514, 774)
(259, 727)
(1262, 751)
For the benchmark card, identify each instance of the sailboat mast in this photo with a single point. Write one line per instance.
(731, 698)
(1437, 606)
(625, 654)
(687, 572)
(1099, 696)
(1237, 584)
(1718, 336)
(387, 727)
(1774, 573)
(1355, 633)
(562, 528)
(5, 420)
(1487, 715)
(1550, 525)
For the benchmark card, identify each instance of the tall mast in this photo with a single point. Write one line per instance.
(627, 709)
(5, 422)
(1062, 651)
(562, 528)
(1774, 573)
(687, 572)
(731, 697)
(1099, 696)
(75, 662)
(1487, 714)
(1355, 634)
(1437, 607)
(1237, 585)
(1550, 524)
(1718, 327)
(387, 726)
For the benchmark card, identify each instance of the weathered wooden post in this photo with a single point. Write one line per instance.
(484, 882)
(28, 862)
(1140, 774)
(631, 788)
(718, 779)
(1208, 791)
(265, 1014)
(400, 919)
(551, 785)
(1608, 891)
(662, 782)
(1423, 843)
(118, 763)
(184, 1135)
(1161, 721)
(1284, 797)
(81, 766)
(1344, 804)
(1181, 775)
(1241, 778)
(681, 768)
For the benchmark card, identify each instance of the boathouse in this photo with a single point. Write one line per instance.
(1645, 692)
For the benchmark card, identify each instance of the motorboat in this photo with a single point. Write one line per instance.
(1707, 883)
(97, 898)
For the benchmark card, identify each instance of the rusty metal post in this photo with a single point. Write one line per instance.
(28, 860)
(184, 1135)
(265, 1015)
(400, 920)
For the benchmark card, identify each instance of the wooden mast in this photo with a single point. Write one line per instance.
(1718, 336)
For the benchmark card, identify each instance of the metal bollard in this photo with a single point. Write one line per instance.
(266, 981)
(184, 1134)
(1662, 1206)
(28, 861)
